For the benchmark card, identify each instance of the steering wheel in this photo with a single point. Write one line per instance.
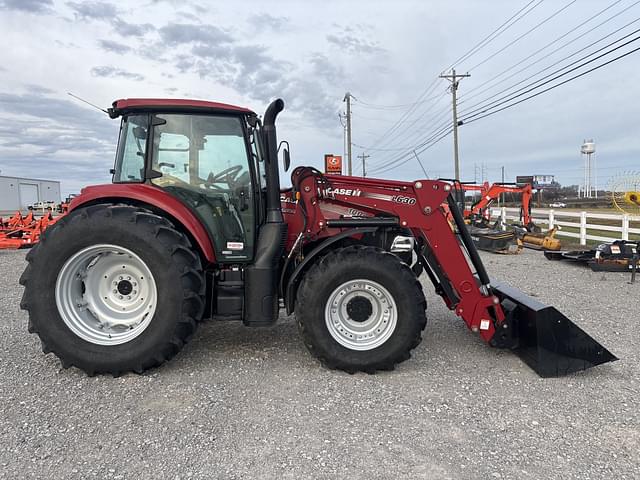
(228, 175)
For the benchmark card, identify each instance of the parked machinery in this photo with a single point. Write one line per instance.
(485, 236)
(24, 232)
(195, 226)
(617, 256)
(526, 231)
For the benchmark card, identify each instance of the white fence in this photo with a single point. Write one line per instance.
(582, 221)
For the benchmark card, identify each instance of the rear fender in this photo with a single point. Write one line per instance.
(155, 199)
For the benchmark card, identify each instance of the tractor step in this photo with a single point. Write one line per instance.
(545, 339)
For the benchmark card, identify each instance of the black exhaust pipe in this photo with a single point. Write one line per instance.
(261, 278)
(274, 212)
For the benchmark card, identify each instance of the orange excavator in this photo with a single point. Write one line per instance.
(527, 231)
(484, 236)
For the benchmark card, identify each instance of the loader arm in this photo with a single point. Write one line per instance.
(504, 317)
(417, 206)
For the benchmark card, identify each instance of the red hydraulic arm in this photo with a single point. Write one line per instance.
(417, 206)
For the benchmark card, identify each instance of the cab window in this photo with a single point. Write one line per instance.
(132, 145)
(203, 160)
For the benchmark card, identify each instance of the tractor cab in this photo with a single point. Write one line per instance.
(208, 155)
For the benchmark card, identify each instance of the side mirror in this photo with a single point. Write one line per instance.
(286, 157)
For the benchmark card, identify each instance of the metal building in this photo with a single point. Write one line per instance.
(17, 193)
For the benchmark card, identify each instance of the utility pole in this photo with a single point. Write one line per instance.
(347, 98)
(364, 157)
(455, 80)
(344, 135)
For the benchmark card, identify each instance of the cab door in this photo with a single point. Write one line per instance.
(203, 161)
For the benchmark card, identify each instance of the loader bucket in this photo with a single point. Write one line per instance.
(545, 339)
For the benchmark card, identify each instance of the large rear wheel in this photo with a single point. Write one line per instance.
(113, 288)
(361, 309)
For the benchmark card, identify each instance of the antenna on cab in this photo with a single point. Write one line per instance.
(87, 102)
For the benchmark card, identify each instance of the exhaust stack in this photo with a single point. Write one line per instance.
(261, 277)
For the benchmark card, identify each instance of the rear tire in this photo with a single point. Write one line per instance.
(119, 329)
(361, 309)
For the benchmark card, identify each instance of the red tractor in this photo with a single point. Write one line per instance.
(195, 226)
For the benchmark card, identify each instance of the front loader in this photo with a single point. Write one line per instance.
(195, 226)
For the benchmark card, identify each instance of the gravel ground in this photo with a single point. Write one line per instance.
(240, 403)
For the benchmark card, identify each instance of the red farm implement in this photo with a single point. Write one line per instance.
(24, 232)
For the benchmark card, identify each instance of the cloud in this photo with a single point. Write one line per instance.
(93, 10)
(211, 51)
(115, 47)
(127, 29)
(252, 70)
(115, 72)
(56, 137)
(264, 21)
(184, 33)
(31, 6)
(355, 44)
(325, 68)
(38, 89)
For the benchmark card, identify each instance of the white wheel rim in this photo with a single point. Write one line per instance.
(361, 314)
(106, 294)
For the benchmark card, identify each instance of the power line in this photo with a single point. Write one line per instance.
(393, 107)
(412, 107)
(394, 163)
(434, 119)
(554, 86)
(402, 118)
(408, 132)
(517, 39)
(489, 38)
(398, 160)
(444, 129)
(526, 67)
(366, 117)
(425, 148)
(425, 139)
(524, 90)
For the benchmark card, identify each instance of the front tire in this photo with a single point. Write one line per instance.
(360, 309)
(112, 289)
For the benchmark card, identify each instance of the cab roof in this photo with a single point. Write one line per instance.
(127, 105)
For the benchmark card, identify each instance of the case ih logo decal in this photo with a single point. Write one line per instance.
(404, 200)
(287, 199)
(355, 192)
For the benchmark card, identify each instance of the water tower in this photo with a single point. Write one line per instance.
(589, 189)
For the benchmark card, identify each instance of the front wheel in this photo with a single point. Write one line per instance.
(361, 309)
(113, 288)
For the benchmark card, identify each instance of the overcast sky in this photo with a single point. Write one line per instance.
(310, 53)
